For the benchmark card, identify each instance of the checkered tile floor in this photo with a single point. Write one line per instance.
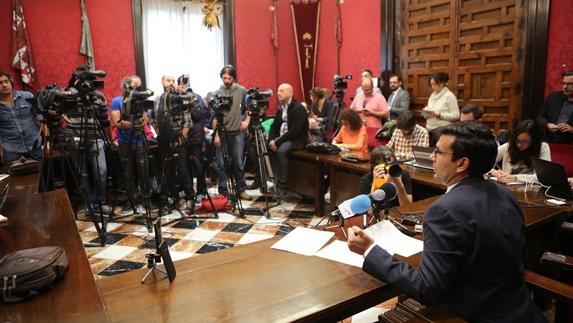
(128, 240)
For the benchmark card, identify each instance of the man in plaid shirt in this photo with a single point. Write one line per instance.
(406, 135)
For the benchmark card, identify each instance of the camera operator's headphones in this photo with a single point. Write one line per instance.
(228, 69)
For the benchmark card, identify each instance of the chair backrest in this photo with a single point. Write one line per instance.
(374, 142)
(563, 154)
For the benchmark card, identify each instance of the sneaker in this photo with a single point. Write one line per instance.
(199, 198)
(245, 196)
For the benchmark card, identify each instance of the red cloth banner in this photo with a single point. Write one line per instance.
(305, 16)
(21, 51)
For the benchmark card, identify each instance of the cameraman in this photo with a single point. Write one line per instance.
(236, 123)
(195, 143)
(87, 130)
(19, 123)
(257, 117)
(172, 125)
(131, 145)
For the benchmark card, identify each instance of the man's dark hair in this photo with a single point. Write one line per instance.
(381, 155)
(10, 79)
(567, 73)
(353, 119)
(439, 77)
(475, 141)
(476, 110)
(515, 155)
(406, 120)
(229, 69)
(82, 68)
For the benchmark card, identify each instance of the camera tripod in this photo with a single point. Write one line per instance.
(80, 149)
(172, 151)
(161, 253)
(265, 171)
(232, 185)
(338, 105)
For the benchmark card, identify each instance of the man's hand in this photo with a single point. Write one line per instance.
(366, 112)
(358, 240)
(564, 127)
(552, 127)
(244, 124)
(273, 145)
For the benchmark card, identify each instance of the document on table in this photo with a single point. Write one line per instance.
(338, 251)
(387, 236)
(3, 177)
(303, 241)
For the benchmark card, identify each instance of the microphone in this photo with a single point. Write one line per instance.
(351, 207)
(390, 191)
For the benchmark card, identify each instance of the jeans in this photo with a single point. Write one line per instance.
(9, 156)
(92, 168)
(131, 157)
(195, 157)
(235, 145)
(282, 153)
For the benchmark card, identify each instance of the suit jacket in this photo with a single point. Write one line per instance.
(473, 256)
(297, 122)
(550, 114)
(400, 103)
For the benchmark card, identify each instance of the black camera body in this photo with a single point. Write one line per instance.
(221, 104)
(178, 103)
(339, 82)
(86, 81)
(257, 100)
(135, 104)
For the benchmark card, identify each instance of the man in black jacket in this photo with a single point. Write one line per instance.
(288, 132)
(472, 262)
(556, 117)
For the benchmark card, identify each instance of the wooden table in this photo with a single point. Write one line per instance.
(249, 283)
(21, 185)
(307, 171)
(44, 219)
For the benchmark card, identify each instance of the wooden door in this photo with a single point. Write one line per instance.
(477, 42)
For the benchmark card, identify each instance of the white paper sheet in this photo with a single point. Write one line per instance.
(303, 241)
(392, 240)
(3, 177)
(338, 251)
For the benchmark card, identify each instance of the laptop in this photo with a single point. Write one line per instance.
(552, 175)
(422, 157)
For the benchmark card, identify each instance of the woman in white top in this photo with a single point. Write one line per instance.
(515, 155)
(442, 108)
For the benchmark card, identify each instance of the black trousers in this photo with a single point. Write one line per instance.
(131, 157)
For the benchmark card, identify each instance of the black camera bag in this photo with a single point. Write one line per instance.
(24, 273)
(322, 148)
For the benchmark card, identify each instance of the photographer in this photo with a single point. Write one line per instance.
(131, 142)
(236, 122)
(19, 123)
(196, 143)
(173, 122)
(87, 132)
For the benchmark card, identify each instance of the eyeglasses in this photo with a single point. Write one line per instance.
(567, 84)
(437, 151)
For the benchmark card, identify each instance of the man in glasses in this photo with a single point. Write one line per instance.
(556, 116)
(472, 263)
(406, 135)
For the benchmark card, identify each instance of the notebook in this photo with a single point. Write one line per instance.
(552, 175)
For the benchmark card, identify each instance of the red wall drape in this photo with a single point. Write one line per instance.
(560, 43)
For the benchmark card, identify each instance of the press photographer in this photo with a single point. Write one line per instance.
(236, 121)
(87, 133)
(172, 122)
(128, 114)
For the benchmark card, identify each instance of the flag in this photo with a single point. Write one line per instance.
(338, 27)
(22, 59)
(86, 48)
(274, 27)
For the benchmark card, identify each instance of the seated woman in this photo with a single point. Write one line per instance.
(321, 107)
(352, 134)
(515, 155)
(315, 133)
(377, 176)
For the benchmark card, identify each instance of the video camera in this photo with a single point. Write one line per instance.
(339, 82)
(135, 103)
(220, 104)
(178, 102)
(86, 81)
(51, 102)
(256, 100)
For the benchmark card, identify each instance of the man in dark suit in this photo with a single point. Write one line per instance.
(399, 100)
(472, 261)
(556, 117)
(288, 132)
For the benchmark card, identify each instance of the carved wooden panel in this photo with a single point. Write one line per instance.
(477, 42)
